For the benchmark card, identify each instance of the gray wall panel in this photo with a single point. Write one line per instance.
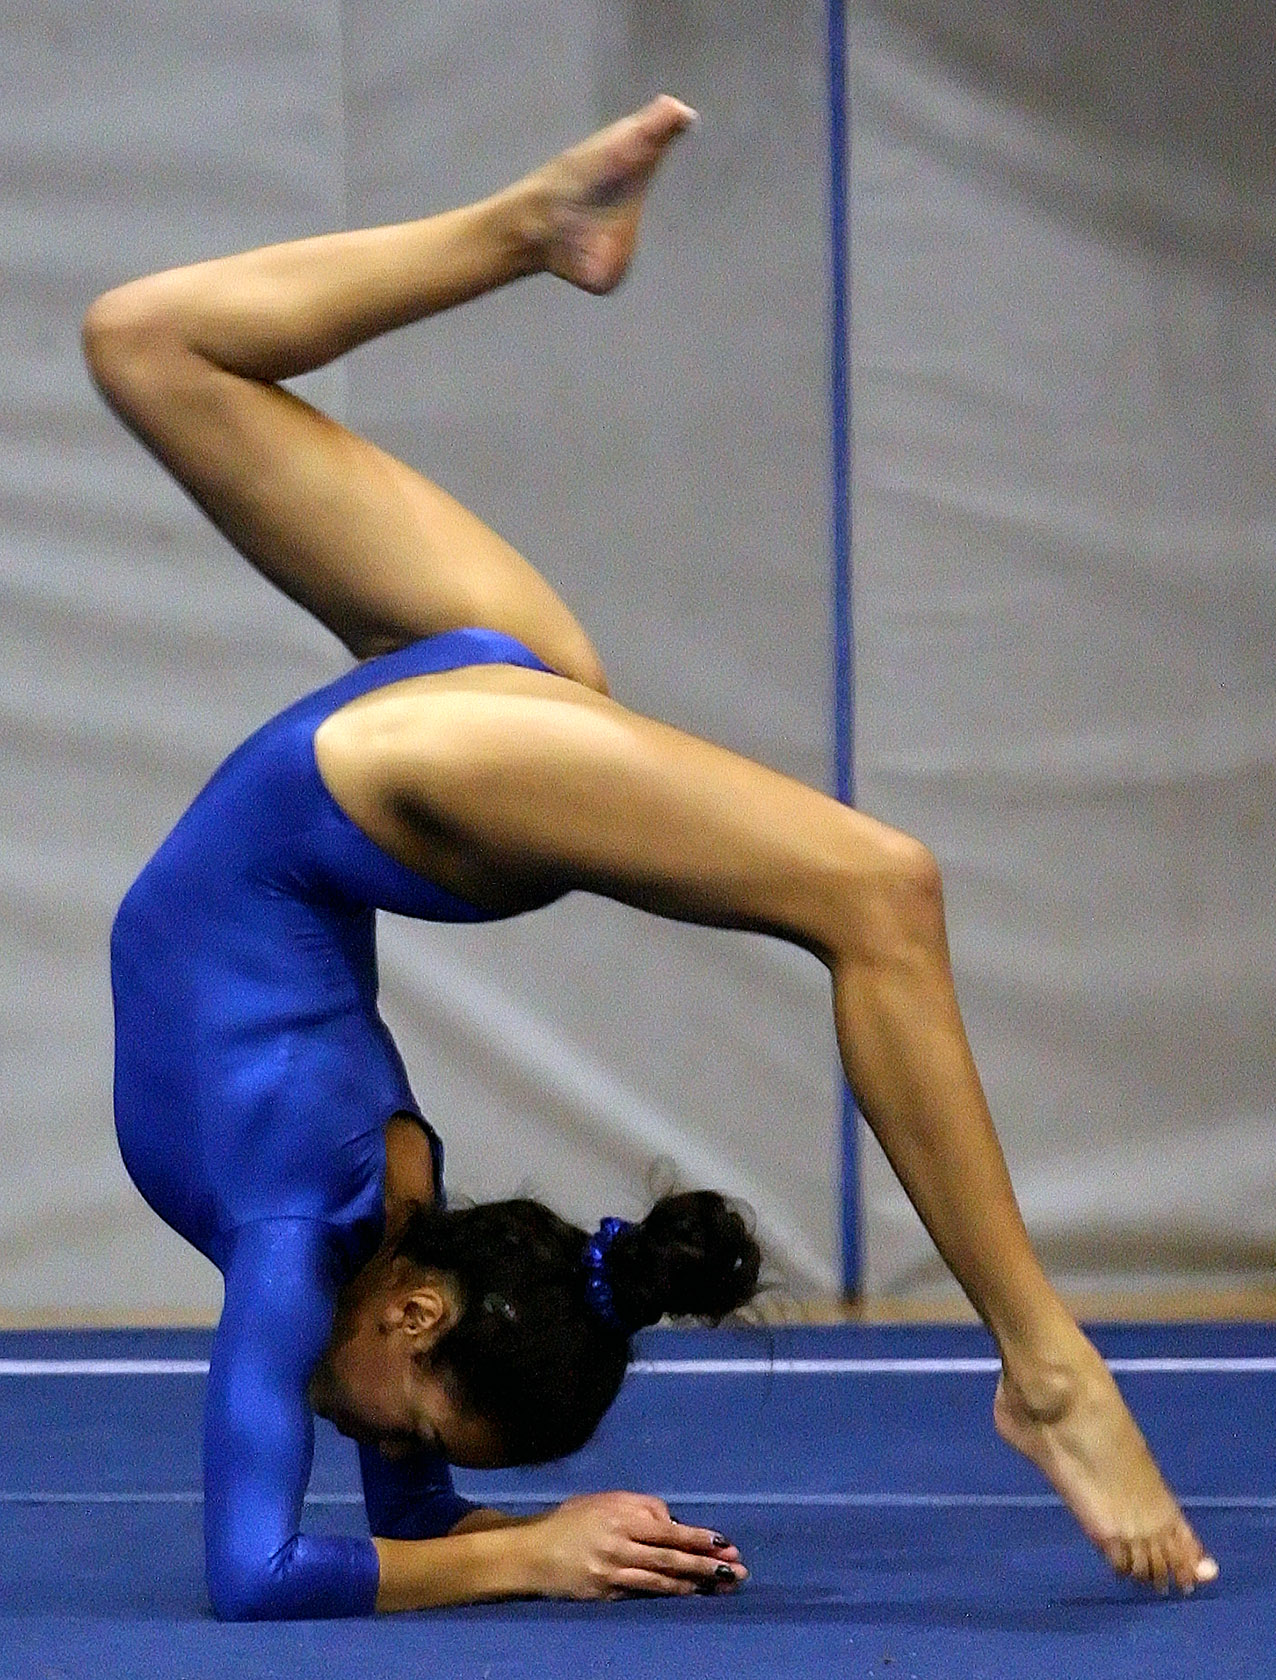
(1065, 405)
(134, 647)
(661, 455)
(1066, 598)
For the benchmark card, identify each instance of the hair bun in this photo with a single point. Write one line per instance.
(693, 1256)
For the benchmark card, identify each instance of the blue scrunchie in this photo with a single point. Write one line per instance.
(597, 1282)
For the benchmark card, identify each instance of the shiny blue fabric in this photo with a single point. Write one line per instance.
(253, 1081)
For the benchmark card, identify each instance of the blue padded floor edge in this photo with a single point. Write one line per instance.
(888, 1531)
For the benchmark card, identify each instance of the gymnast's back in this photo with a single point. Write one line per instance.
(253, 1081)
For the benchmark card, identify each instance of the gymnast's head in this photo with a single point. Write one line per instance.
(499, 1334)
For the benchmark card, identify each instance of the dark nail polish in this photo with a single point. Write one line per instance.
(720, 1541)
(724, 1572)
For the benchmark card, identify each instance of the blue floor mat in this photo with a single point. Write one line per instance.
(887, 1530)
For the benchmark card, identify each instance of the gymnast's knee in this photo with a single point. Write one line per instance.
(895, 902)
(113, 331)
(134, 350)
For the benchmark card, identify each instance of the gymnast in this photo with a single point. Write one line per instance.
(473, 765)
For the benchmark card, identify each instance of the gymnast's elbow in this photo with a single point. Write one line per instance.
(255, 1589)
(243, 1591)
(308, 1577)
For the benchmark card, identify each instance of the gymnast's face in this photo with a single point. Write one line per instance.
(377, 1383)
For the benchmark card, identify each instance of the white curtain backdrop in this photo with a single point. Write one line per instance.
(1065, 410)
(1064, 342)
(661, 455)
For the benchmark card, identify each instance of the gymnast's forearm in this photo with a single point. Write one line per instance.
(467, 1566)
(485, 1518)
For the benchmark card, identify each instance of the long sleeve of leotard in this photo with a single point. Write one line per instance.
(410, 1498)
(259, 1436)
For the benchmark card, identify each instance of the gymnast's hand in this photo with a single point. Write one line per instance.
(611, 1545)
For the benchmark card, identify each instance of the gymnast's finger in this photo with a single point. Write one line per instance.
(687, 1538)
(646, 1582)
(705, 1572)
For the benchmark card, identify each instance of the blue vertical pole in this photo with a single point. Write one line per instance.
(843, 644)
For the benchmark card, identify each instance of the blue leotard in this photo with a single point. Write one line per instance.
(253, 1081)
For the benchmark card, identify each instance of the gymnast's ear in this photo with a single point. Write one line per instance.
(423, 1310)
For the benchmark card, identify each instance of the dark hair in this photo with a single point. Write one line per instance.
(529, 1354)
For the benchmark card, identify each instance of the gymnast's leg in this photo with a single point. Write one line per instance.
(533, 776)
(189, 359)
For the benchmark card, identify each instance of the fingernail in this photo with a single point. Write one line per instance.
(724, 1572)
(720, 1541)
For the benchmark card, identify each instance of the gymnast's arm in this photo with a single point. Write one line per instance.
(434, 1547)
(259, 1436)
(593, 1546)
(258, 1448)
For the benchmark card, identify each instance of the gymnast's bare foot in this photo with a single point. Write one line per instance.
(582, 210)
(1077, 1430)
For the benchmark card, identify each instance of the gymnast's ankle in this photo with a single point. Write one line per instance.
(1043, 1381)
